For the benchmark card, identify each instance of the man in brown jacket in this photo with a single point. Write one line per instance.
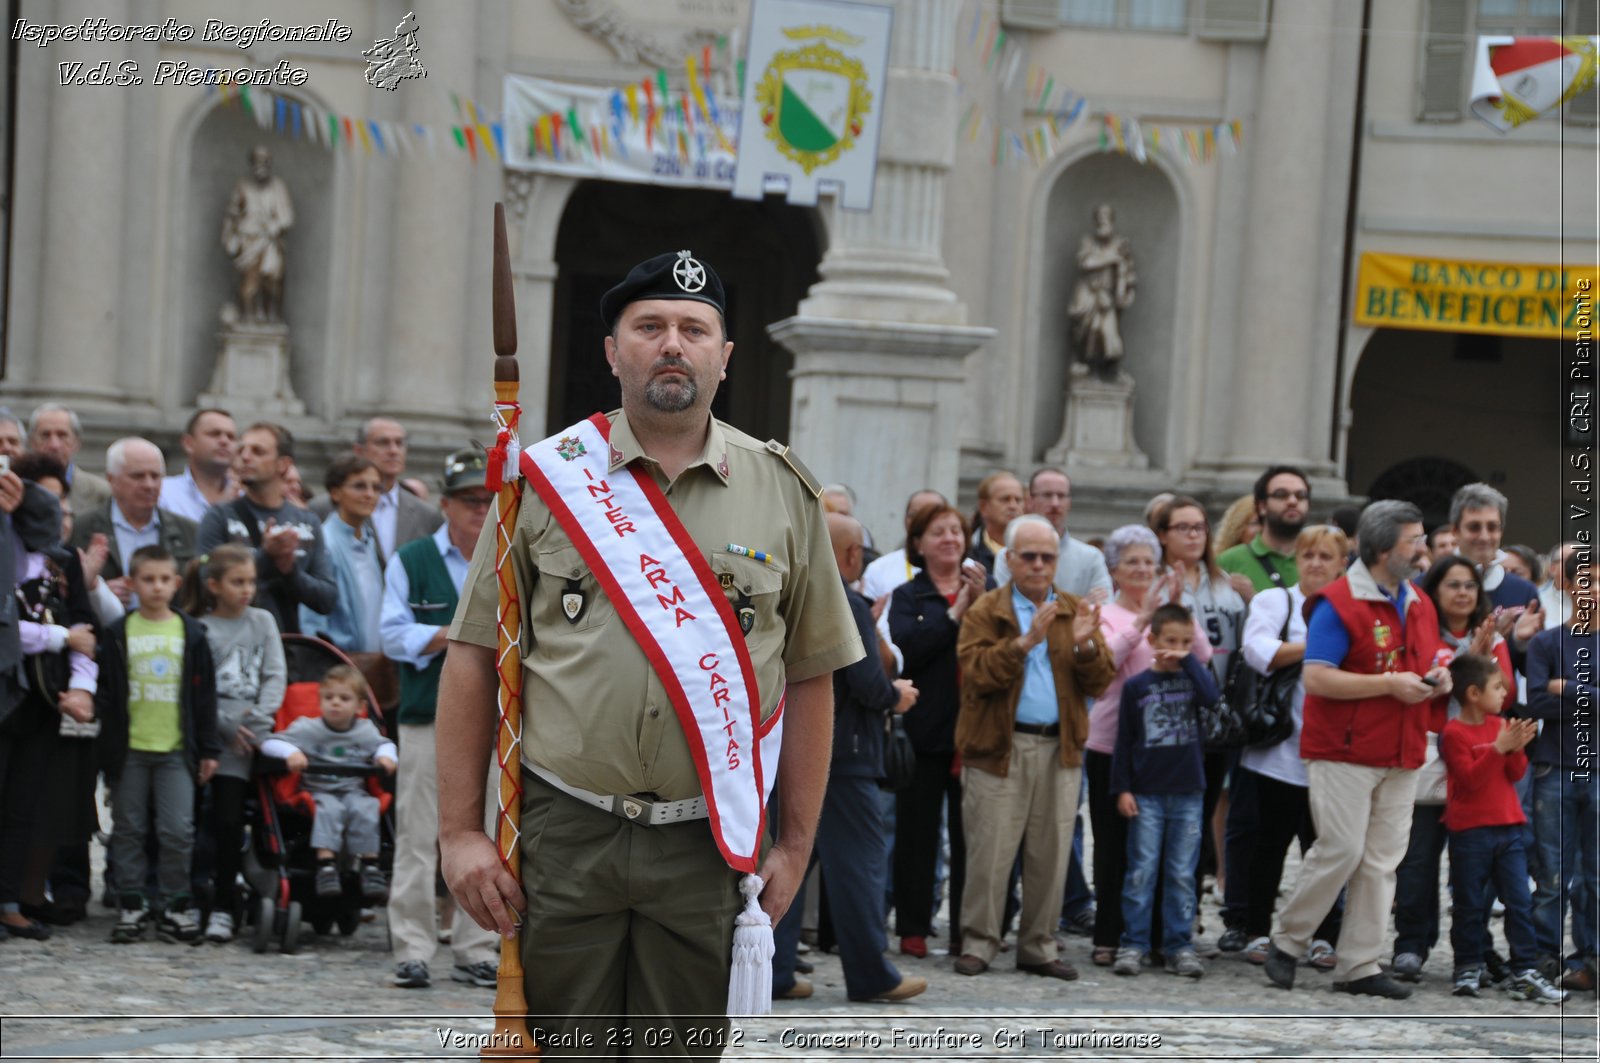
(1030, 656)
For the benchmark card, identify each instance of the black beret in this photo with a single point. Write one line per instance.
(674, 275)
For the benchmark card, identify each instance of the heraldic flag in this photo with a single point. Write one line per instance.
(1516, 79)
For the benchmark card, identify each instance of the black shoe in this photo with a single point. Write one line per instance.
(56, 913)
(1495, 968)
(1373, 985)
(802, 967)
(1280, 967)
(32, 930)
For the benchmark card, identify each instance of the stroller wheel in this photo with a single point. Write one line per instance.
(322, 924)
(291, 930)
(350, 921)
(263, 933)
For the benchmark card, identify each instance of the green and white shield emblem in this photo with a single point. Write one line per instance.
(814, 102)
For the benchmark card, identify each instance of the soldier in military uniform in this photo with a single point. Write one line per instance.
(625, 917)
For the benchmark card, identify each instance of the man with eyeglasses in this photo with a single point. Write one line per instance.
(422, 583)
(1283, 498)
(401, 517)
(1478, 513)
(1031, 656)
(1373, 691)
(1080, 568)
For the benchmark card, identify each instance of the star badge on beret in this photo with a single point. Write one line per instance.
(689, 274)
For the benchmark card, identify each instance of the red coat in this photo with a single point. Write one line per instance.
(1381, 732)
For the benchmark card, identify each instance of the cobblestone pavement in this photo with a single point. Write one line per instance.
(77, 996)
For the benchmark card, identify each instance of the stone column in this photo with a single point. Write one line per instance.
(428, 297)
(879, 340)
(1288, 317)
(80, 331)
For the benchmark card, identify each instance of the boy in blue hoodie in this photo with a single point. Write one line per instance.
(1562, 691)
(1158, 777)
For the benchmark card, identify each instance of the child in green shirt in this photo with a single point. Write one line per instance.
(157, 696)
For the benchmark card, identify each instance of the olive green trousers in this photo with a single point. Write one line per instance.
(628, 936)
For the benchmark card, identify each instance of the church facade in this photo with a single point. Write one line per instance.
(1336, 183)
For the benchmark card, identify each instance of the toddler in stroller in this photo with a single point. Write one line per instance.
(346, 820)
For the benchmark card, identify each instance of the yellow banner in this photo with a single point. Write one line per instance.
(1504, 298)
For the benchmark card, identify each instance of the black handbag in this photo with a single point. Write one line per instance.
(1222, 724)
(899, 756)
(1262, 706)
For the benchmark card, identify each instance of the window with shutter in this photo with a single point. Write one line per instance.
(1233, 20)
(1153, 16)
(1446, 60)
(1031, 14)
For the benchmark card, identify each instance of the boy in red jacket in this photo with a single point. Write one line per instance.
(1482, 754)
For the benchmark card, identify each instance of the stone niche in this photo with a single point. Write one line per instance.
(218, 156)
(1147, 214)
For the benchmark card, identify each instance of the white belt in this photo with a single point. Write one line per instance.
(638, 810)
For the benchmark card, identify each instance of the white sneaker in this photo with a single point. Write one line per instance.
(219, 927)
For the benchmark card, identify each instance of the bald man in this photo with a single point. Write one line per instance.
(851, 843)
(132, 516)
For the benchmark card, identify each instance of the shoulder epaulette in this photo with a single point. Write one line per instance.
(797, 466)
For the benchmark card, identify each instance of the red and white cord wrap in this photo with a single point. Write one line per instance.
(502, 477)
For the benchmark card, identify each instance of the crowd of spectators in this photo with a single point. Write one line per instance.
(1032, 672)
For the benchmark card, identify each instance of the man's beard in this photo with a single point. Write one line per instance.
(1284, 529)
(670, 397)
(1400, 567)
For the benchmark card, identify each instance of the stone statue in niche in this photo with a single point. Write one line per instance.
(259, 213)
(1105, 288)
(252, 372)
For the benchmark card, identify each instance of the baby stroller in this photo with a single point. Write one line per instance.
(279, 864)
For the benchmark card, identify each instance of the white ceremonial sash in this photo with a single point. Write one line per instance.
(661, 585)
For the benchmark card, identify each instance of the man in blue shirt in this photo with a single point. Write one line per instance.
(421, 584)
(1031, 656)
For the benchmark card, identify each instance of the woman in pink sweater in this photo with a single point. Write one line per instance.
(1133, 554)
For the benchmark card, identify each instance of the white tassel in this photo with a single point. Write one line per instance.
(513, 470)
(750, 978)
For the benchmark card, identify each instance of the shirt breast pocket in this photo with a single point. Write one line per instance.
(568, 598)
(754, 590)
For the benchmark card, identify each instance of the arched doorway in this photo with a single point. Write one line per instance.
(765, 252)
(1427, 483)
(1430, 407)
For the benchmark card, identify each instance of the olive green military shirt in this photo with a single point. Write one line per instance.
(594, 710)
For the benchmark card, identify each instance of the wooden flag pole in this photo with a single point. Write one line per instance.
(511, 1035)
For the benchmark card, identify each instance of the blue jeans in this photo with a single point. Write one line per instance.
(1566, 819)
(1416, 884)
(1164, 837)
(1485, 861)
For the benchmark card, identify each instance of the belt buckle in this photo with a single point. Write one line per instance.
(633, 809)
